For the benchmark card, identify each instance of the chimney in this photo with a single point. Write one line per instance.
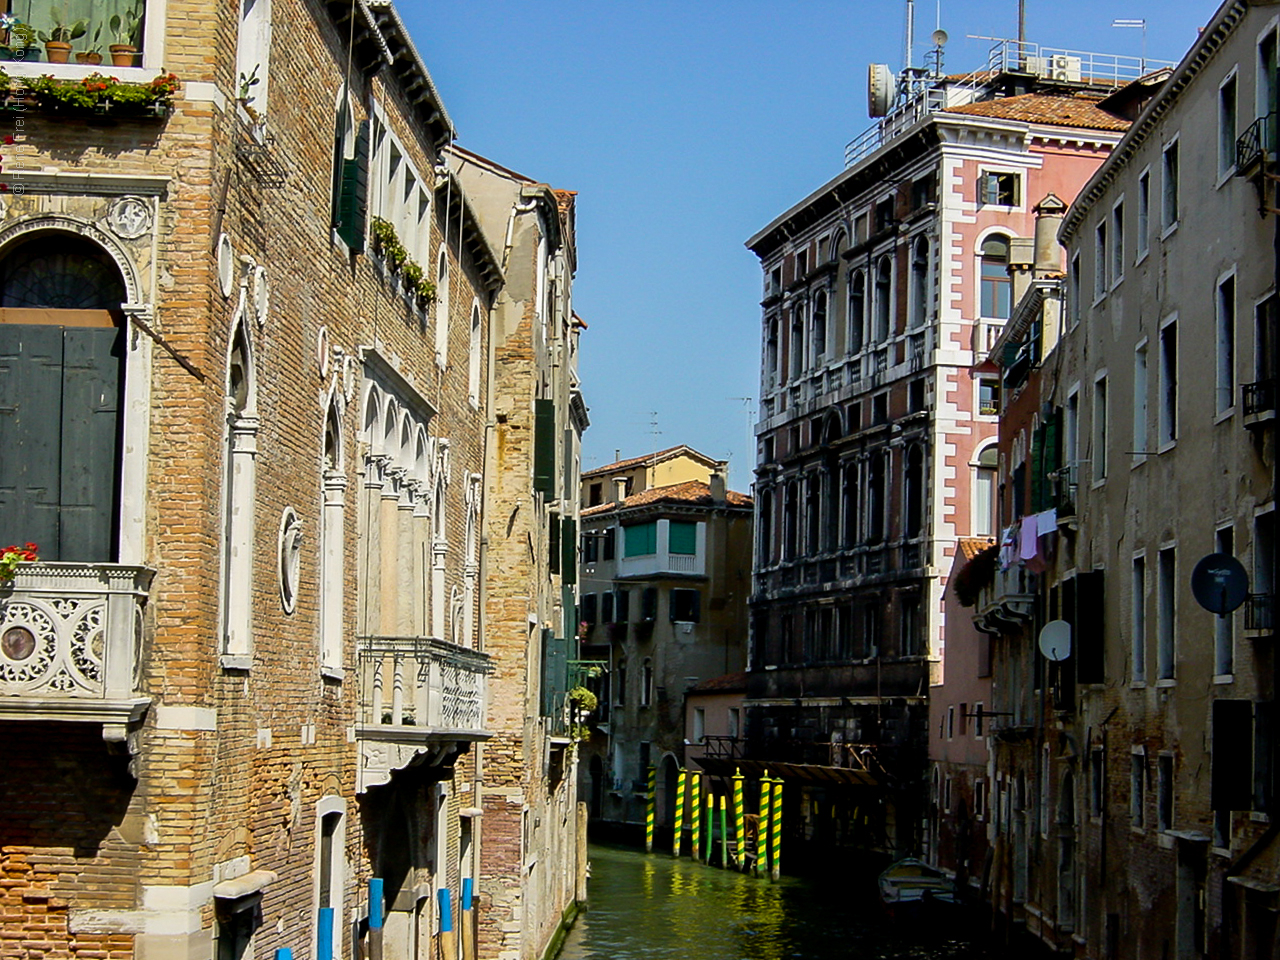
(717, 483)
(1049, 214)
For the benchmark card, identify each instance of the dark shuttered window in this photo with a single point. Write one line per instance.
(1232, 755)
(544, 445)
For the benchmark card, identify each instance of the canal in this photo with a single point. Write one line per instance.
(653, 907)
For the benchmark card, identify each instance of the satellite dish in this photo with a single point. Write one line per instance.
(882, 89)
(939, 38)
(1219, 583)
(1055, 640)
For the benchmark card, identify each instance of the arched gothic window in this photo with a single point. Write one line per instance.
(857, 311)
(920, 282)
(884, 299)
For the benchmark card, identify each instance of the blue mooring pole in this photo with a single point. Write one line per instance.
(324, 935)
(448, 942)
(375, 918)
(284, 953)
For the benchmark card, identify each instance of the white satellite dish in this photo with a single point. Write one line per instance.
(1055, 640)
(939, 38)
(882, 89)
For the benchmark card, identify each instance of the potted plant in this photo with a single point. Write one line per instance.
(124, 52)
(57, 42)
(17, 39)
(94, 54)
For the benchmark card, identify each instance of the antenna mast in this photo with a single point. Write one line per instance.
(911, 31)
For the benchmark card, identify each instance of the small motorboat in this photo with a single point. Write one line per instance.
(911, 889)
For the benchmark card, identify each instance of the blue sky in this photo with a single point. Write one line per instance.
(685, 127)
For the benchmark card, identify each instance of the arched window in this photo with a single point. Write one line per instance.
(797, 342)
(646, 683)
(857, 310)
(60, 271)
(61, 387)
(819, 325)
(790, 525)
(239, 492)
(984, 492)
(333, 492)
(913, 491)
(473, 358)
(884, 299)
(996, 297)
(849, 504)
(876, 498)
(920, 282)
(442, 307)
(764, 522)
(771, 349)
(812, 513)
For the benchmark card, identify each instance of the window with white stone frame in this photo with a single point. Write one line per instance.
(253, 50)
(239, 495)
(333, 494)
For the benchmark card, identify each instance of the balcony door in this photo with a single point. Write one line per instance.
(61, 379)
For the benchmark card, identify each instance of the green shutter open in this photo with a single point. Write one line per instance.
(544, 445)
(354, 192)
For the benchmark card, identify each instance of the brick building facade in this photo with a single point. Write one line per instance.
(248, 673)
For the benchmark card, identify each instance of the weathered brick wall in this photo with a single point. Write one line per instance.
(280, 737)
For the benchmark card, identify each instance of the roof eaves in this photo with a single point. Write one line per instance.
(1193, 61)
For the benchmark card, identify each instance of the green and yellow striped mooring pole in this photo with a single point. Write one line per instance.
(739, 821)
(677, 830)
(775, 831)
(650, 796)
(695, 813)
(708, 824)
(762, 826)
(724, 836)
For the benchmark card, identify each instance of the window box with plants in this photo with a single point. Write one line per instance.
(94, 95)
(389, 249)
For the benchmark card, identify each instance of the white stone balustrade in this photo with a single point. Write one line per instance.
(71, 644)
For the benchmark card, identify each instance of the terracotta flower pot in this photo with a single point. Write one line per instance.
(57, 52)
(123, 54)
(92, 57)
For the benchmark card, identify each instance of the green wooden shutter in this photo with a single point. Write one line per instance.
(60, 437)
(354, 191)
(544, 445)
(553, 545)
(90, 443)
(682, 537)
(569, 548)
(555, 672)
(1037, 471)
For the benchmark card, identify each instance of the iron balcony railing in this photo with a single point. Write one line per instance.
(1259, 397)
(420, 684)
(1256, 144)
(1258, 612)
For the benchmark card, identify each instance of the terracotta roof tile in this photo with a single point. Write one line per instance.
(727, 683)
(1042, 108)
(970, 547)
(691, 492)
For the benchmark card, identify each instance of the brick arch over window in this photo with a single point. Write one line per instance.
(62, 378)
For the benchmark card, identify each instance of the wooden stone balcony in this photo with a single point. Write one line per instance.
(71, 644)
(420, 699)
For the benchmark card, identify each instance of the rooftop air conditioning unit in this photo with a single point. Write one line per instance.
(1062, 67)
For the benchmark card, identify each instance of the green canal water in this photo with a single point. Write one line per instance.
(653, 907)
